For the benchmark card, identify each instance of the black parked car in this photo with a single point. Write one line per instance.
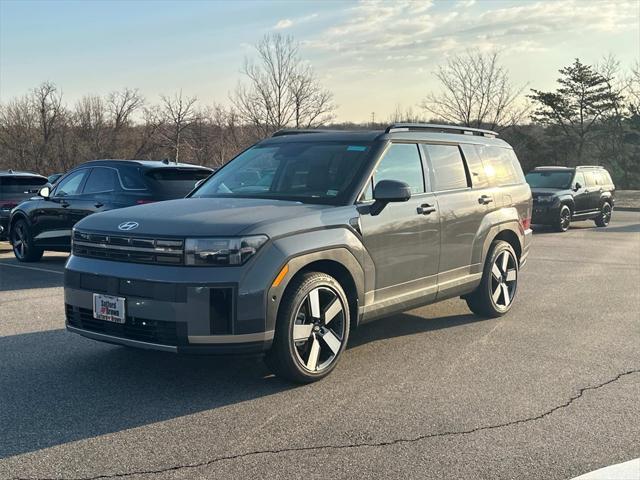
(562, 194)
(16, 187)
(45, 223)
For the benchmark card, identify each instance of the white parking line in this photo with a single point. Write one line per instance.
(622, 471)
(38, 269)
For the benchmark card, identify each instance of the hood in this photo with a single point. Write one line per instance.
(199, 217)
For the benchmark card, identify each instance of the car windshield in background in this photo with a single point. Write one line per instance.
(308, 172)
(549, 179)
(176, 182)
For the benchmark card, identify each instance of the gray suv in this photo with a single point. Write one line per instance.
(303, 237)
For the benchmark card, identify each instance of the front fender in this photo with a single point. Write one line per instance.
(338, 245)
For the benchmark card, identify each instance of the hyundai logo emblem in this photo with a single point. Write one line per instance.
(126, 226)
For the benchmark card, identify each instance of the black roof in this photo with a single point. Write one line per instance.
(142, 163)
(17, 173)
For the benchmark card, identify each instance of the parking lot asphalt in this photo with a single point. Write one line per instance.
(550, 391)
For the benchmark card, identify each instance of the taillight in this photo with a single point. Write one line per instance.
(8, 205)
(142, 202)
(525, 223)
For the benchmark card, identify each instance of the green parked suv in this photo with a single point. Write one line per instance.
(303, 237)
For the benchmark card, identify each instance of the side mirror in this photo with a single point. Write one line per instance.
(387, 191)
(577, 186)
(45, 192)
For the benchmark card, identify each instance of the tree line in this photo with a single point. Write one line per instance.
(592, 117)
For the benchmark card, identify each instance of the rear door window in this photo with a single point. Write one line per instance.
(101, 180)
(590, 179)
(175, 182)
(449, 172)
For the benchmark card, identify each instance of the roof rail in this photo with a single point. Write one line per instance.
(589, 166)
(298, 131)
(440, 128)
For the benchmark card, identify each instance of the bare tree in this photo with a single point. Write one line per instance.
(47, 102)
(122, 106)
(178, 114)
(91, 125)
(476, 92)
(280, 90)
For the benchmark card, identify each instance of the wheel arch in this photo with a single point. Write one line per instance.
(18, 215)
(340, 263)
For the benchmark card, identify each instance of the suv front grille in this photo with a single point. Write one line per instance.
(164, 251)
(134, 328)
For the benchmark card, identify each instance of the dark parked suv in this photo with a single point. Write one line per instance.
(16, 187)
(302, 237)
(45, 223)
(562, 194)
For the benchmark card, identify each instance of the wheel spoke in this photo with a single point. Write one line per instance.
(314, 302)
(332, 311)
(505, 261)
(495, 271)
(505, 292)
(331, 340)
(302, 332)
(511, 275)
(314, 353)
(496, 294)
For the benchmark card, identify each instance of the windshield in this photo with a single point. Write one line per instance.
(307, 172)
(550, 179)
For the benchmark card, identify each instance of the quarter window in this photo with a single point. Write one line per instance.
(101, 180)
(501, 166)
(448, 167)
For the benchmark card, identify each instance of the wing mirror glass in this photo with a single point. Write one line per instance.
(387, 191)
(45, 192)
(577, 186)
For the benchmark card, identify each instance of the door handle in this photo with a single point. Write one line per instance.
(98, 204)
(426, 209)
(485, 199)
(64, 204)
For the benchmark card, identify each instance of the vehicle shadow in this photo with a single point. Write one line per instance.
(405, 324)
(56, 387)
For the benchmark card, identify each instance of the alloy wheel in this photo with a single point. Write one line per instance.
(20, 241)
(504, 279)
(606, 214)
(565, 218)
(319, 329)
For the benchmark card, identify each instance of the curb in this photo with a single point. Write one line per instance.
(627, 209)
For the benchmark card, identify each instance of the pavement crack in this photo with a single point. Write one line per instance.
(385, 443)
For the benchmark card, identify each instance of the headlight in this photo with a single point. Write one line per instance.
(221, 251)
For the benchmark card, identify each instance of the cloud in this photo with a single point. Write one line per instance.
(375, 29)
(284, 23)
(288, 23)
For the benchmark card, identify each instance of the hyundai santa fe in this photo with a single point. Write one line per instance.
(303, 237)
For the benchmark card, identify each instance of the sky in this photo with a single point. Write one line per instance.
(375, 56)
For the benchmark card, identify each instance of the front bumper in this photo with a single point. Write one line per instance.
(545, 214)
(182, 310)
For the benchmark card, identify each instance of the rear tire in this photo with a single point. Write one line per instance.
(563, 222)
(23, 245)
(312, 328)
(496, 292)
(605, 215)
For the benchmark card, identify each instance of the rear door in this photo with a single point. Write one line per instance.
(592, 190)
(99, 194)
(404, 239)
(461, 207)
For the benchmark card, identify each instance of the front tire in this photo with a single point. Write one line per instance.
(496, 292)
(563, 222)
(605, 215)
(23, 245)
(312, 328)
